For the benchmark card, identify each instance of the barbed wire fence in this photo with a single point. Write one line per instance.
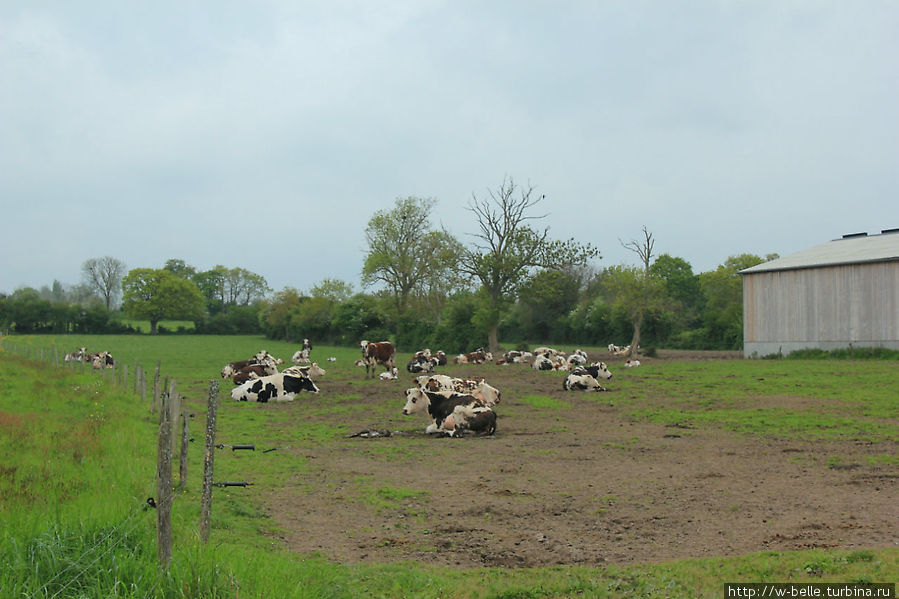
(169, 406)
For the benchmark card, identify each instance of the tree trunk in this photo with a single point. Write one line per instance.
(153, 324)
(635, 341)
(493, 338)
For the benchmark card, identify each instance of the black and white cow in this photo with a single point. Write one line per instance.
(422, 361)
(77, 356)
(451, 414)
(597, 370)
(277, 387)
(584, 378)
(577, 358)
(101, 360)
(541, 362)
(581, 382)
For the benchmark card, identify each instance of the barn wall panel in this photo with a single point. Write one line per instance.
(826, 307)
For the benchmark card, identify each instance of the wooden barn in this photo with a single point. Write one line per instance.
(839, 293)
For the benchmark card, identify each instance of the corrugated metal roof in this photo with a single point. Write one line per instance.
(848, 250)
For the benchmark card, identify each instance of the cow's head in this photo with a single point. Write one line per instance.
(487, 393)
(416, 401)
(295, 384)
(603, 370)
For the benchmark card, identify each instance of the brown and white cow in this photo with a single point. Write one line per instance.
(549, 352)
(478, 356)
(312, 370)
(253, 371)
(441, 383)
(451, 414)
(373, 354)
(261, 357)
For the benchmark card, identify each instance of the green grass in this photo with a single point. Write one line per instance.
(75, 525)
(542, 402)
(795, 399)
(170, 325)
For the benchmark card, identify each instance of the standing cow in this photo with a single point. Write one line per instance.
(382, 353)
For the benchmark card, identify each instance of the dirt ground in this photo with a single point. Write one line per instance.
(584, 485)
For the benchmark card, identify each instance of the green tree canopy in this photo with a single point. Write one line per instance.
(406, 255)
(723, 289)
(635, 293)
(179, 267)
(157, 294)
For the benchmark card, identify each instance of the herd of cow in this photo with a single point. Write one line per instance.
(97, 360)
(454, 405)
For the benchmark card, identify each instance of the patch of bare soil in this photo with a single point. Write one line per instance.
(576, 483)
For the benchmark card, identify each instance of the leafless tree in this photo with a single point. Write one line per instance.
(507, 248)
(643, 249)
(104, 275)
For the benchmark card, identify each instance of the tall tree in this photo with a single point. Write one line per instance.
(243, 287)
(179, 267)
(333, 290)
(158, 294)
(648, 289)
(105, 276)
(274, 317)
(404, 253)
(723, 289)
(507, 249)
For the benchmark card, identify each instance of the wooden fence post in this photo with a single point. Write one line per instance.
(175, 398)
(164, 493)
(185, 439)
(155, 404)
(208, 460)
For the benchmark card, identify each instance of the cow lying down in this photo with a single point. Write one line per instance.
(278, 387)
(442, 383)
(583, 378)
(451, 413)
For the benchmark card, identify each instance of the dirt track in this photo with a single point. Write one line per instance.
(581, 484)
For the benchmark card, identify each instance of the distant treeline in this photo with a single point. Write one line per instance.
(580, 306)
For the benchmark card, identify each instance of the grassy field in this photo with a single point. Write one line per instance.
(75, 525)
(170, 325)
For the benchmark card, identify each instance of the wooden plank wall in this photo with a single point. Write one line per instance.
(833, 306)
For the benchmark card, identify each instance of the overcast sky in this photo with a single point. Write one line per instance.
(265, 134)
